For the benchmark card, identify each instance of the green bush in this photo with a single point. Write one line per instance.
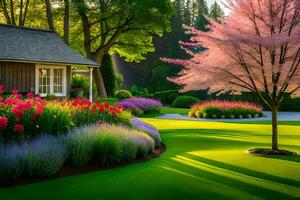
(184, 102)
(123, 94)
(137, 112)
(80, 86)
(290, 105)
(139, 92)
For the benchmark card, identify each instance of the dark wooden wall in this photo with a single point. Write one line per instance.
(20, 76)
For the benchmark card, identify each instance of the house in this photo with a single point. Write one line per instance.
(37, 60)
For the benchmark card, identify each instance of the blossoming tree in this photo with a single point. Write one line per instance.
(256, 48)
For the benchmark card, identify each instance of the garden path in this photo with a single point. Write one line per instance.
(282, 116)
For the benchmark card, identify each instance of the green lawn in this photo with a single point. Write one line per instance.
(204, 160)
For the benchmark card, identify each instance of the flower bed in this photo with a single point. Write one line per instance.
(44, 156)
(225, 109)
(22, 118)
(138, 106)
(147, 128)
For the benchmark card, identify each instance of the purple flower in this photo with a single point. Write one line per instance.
(145, 104)
(147, 128)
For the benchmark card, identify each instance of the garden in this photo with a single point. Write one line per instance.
(174, 99)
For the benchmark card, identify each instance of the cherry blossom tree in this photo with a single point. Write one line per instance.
(256, 48)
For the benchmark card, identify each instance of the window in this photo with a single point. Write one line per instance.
(51, 80)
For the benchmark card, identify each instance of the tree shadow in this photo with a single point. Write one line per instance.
(230, 178)
(246, 171)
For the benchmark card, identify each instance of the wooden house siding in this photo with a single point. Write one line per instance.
(15, 75)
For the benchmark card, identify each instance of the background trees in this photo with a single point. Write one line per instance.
(261, 55)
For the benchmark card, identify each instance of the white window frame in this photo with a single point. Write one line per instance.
(51, 67)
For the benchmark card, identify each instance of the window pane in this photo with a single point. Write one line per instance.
(58, 80)
(44, 80)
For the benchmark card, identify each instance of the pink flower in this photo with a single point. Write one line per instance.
(1, 89)
(3, 122)
(18, 128)
(29, 95)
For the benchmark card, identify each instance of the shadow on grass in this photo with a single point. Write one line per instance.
(289, 123)
(248, 172)
(225, 176)
(291, 158)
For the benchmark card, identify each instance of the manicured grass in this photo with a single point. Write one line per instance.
(110, 101)
(175, 110)
(204, 160)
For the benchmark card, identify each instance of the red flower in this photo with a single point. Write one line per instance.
(70, 116)
(39, 110)
(18, 128)
(9, 101)
(18, 112)
(1, 89)
(15, 92)
(3, 122)
(29, 95)
(34, 117)
(106, 106)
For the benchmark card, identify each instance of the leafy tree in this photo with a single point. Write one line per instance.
(122, 26)
(262, 57)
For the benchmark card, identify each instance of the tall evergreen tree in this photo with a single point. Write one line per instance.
(216, 12)
(203, 11)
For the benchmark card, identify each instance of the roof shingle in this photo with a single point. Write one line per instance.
(37, 45)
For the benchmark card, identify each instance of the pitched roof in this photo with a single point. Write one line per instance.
(37, 45)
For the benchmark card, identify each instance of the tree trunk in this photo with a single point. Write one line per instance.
(66, 21)
(98, 76)
(49, 15)
(274, 129)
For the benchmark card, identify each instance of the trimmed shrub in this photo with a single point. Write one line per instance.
(138, 103)
(225, 109)
(123, 94)
(184, 101)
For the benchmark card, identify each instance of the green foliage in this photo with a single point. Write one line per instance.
(80, 86)
(137, 112)
(108, 75)
(216, 12)
(123, 94)
(55, 120)
(290, 104)
(106, 145)
(184, 102)
(139, 92)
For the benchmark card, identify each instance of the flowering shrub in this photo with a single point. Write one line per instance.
(147, 128)
(27, 117)
(140, 105)
(42, 157)
(101, 144)
(225, 109)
